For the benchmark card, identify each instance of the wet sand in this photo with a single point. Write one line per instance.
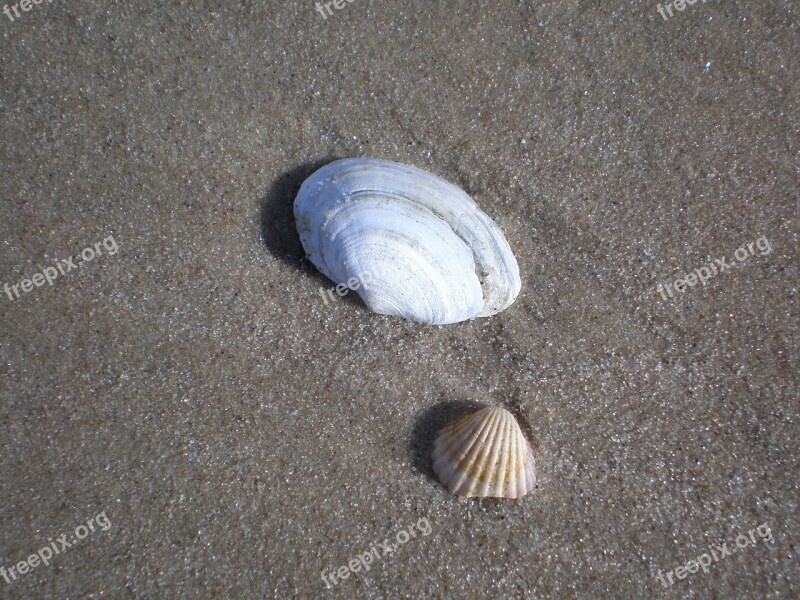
(244, 437)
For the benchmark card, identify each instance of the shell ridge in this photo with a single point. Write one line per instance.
(486, 475)
(531, 470)
(456, 452)
(461, 458)
(447, 445)
(500, 480)
(465, 268)
(485, 454)
(512, 486)
(470, 467)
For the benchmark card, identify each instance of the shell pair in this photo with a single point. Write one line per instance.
(485, 454)
(418, 247)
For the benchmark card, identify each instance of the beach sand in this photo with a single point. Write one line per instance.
(244, 437)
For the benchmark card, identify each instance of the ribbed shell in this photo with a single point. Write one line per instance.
(419, 247)
(485, 454)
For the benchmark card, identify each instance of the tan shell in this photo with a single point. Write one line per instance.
(485, 454)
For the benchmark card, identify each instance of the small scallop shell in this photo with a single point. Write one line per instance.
(412, 244)
(485, 454)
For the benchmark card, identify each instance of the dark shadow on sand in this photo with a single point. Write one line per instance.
(426, 428)
(279, 232)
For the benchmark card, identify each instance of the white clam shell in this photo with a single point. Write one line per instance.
(485, 454)
(418, 246)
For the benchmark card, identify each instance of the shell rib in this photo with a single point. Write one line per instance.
(418, 246)
(485, 454)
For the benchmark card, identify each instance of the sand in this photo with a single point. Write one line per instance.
(244, 437)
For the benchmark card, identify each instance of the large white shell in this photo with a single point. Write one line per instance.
(418, 246)
(485, 454)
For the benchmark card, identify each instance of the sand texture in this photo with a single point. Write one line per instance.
(243, 436)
